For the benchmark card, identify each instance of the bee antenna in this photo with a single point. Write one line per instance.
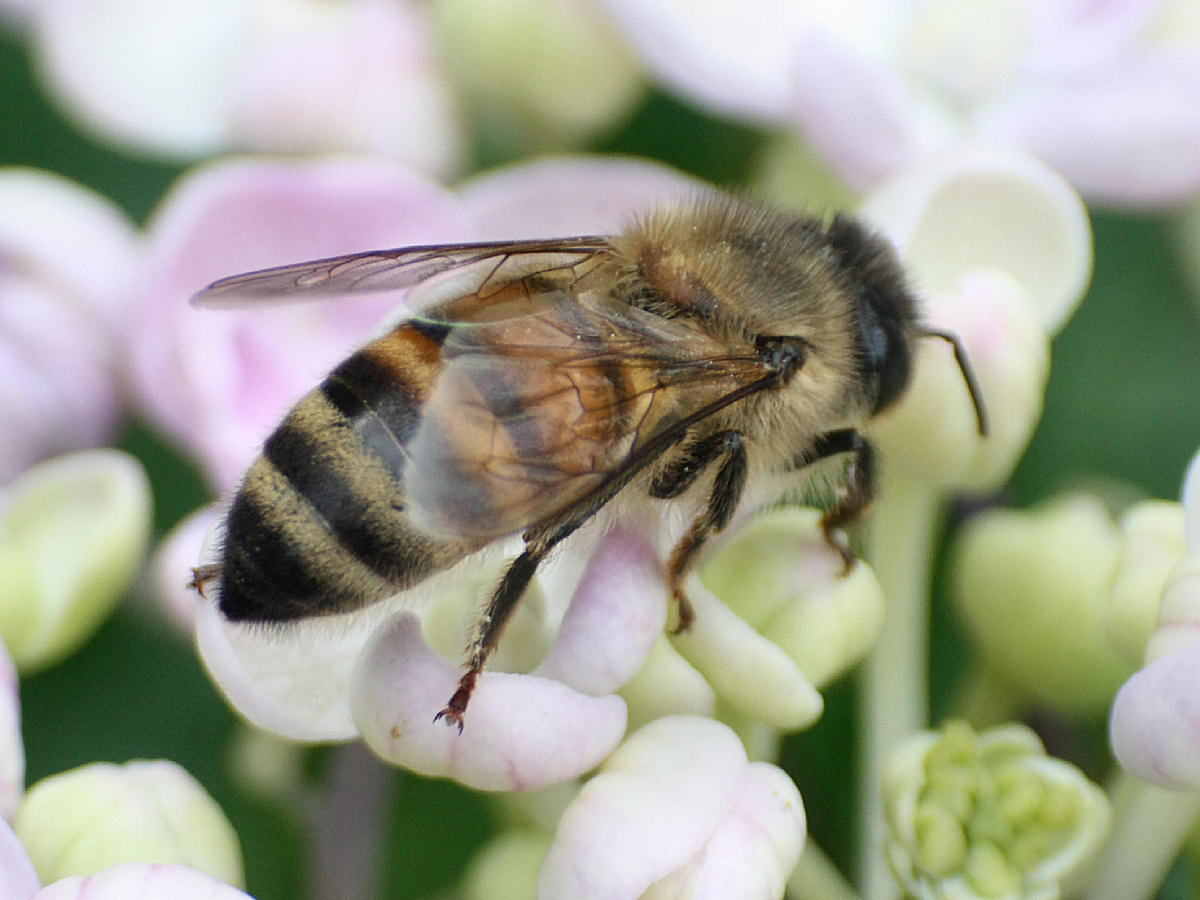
(968, 374)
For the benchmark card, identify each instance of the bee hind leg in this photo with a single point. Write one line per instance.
(727, 488)
(854, 495)
(487, 633)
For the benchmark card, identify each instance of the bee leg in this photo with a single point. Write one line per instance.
(727, 488)
(856, 492)
(202, 576)
(487, 634)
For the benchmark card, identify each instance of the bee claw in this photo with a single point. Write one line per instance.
(452, 717)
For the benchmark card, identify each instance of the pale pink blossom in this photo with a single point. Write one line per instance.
(1103, 92)
(66, 255)
(198, 77)
(1155, 723)
(677, 810)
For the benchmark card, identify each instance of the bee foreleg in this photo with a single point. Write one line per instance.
(854, 494)
(727, 488)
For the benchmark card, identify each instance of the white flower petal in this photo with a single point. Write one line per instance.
(521, 732)
(152, 75)
(18, 880)
(979, 208)
(141, 881)
(657, 800)
(564, 196)
(734, 58)
(291, 679)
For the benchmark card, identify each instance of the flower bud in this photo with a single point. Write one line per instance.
(1033, 590)
(88, 819)
(73, 532)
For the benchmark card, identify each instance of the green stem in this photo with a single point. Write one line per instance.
(817, 878)
(1150, 824)
(894, 683)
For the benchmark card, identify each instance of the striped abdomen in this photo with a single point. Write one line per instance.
(319, 525)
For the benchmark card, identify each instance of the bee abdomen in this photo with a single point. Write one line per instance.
(320, 524)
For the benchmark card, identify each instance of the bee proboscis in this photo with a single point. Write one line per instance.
(538, 380)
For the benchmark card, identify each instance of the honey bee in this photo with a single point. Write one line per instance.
(708, 344)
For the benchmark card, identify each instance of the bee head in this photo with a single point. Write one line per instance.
(888, 319)
(886, 311)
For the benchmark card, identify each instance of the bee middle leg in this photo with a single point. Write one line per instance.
(854, 494)
(728, 486)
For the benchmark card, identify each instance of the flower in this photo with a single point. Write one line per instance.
(537, 75)
(73, 532)
(1155, 722)
(89, 819)
(66, 255)
(292, 76)
(677, 810)
(875, 86)
(1036, 590)
(128, 881)
(988, 815)
(999, 247)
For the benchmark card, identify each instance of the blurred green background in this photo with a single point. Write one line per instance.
(1123, 407)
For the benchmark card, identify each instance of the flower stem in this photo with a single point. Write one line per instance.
(1149, 827)
(894, 683)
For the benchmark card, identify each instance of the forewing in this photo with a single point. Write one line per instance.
(536, 413)
(389, 270)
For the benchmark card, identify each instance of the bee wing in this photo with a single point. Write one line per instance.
(534, 414)
(388, 270)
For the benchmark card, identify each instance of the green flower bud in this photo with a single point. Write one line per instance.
(1033, 590)
(99, 815)
(987, 815)
(1152, 544)
(507, 868)
(73, 533)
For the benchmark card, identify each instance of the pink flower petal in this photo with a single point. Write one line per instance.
(566, 196)
(365, 78)
(1155, 724)
(1131, 138)
(655, 803)
(866, 122)
(218, 381)
(614, 619)
(18, 880)
(141, 881)
(521, 732)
